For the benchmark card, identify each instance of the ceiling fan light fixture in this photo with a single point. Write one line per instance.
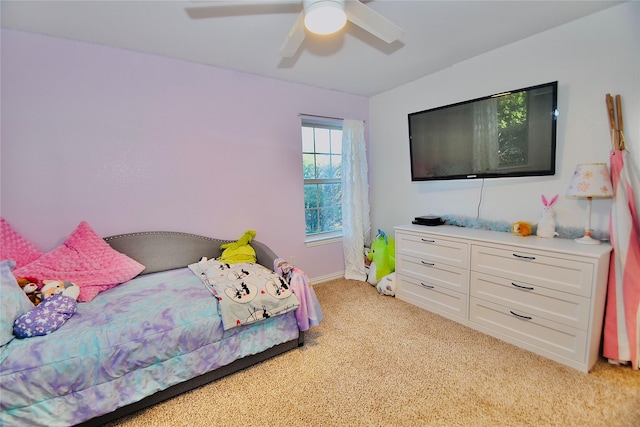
(324, 16)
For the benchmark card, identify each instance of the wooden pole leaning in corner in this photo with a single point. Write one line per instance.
(612, 122)
(620, 123)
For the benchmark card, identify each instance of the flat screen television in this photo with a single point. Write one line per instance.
(503, 135)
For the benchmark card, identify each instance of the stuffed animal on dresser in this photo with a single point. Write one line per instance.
(547, 224)
(521, 228)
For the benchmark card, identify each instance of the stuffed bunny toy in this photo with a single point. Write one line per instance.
(547, 224)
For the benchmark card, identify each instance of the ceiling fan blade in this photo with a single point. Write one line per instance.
(294, 39)
(201, 9)
(368, 19)
(244, 1)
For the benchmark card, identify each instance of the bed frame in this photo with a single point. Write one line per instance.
(166, 250)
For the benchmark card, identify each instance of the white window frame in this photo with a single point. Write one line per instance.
(332, 236)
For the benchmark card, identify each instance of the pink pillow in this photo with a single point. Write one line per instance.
(85, 259)
(14, 246)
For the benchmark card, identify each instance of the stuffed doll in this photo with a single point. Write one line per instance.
(382, 257)
(308, 312)
(239, 251)
(30, 287)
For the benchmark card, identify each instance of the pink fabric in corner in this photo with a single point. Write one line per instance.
(14, 246)
(85, 259)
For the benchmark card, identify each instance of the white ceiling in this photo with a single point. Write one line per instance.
(247, 35)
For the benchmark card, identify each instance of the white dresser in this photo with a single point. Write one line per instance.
(544, 295)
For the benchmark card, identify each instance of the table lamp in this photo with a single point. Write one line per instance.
(590, 180)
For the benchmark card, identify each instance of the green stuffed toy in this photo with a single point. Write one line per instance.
(382, 257)
(239, 251)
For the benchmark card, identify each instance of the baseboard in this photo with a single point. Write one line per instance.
(327, 278)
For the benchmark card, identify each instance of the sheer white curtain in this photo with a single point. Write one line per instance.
(356, 225)
(485, 136)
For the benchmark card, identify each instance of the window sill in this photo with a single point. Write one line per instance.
(322, 240)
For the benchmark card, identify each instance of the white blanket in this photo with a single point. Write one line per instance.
(246, 292)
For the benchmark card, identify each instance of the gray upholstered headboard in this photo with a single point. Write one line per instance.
(167, 250)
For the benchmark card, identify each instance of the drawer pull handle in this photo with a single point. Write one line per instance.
(520, 315)
(524, 257)
(528, 288)
(427, 286)
(430, 264)
(427, 240)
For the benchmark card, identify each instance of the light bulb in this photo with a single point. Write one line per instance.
(324, 17)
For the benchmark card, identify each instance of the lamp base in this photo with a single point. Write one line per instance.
(587, 240)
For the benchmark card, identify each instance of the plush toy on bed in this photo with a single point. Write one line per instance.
(57, 306)
(382, 257)
(240, 250)
(59, 287)
(30, 287)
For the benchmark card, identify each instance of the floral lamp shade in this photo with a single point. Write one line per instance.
(590, 180)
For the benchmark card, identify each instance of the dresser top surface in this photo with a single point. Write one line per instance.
(533, 242)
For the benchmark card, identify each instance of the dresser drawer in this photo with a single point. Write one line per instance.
(432, 297)
(433, 249)
(433, 273)
(544, 295)
(568, 309)
(535, 267)
(536, 333)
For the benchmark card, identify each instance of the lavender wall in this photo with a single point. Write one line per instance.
(134, 142)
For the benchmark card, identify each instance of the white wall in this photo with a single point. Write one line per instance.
(589, 58)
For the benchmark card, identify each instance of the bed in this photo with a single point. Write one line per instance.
(151, 338)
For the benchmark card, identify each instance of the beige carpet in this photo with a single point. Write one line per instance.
(378, 361)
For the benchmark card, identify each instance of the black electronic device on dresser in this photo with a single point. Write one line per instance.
(428, 220)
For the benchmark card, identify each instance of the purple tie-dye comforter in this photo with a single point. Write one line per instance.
(141, 337)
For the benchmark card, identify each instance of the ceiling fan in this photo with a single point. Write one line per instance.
(328, 16)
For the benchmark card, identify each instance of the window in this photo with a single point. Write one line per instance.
(322, 170)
